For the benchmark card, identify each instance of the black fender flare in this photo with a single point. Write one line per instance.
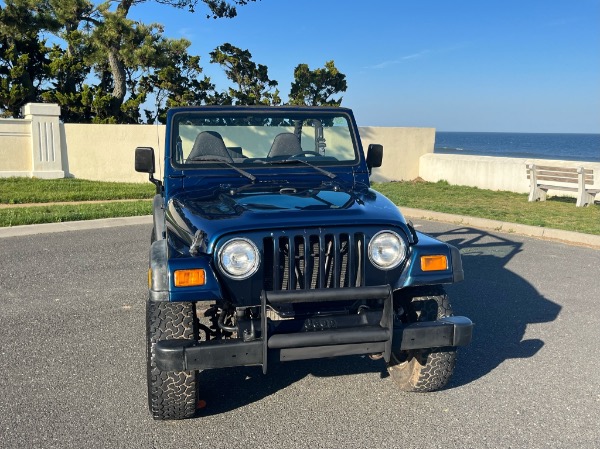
(158, 217)
(158, 271)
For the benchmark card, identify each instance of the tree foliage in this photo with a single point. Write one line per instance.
(100, 66)
(23, 57)
(252, 82)
(316, 87)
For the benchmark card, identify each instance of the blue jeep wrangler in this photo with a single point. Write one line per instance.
(268, 245)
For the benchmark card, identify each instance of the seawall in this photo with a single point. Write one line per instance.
(491, 173)
(41, 146)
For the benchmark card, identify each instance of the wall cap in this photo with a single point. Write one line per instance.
(45, 109)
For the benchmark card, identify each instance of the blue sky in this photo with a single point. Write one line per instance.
(463, 65)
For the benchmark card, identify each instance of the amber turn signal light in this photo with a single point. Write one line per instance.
(434, 263)
(190, 278)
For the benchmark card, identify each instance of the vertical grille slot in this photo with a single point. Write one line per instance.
(300, 263)
(343, 261)
(313, 261)
(359, 246)
(268, 262)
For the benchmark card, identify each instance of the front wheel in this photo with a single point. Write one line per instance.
(171, 395)
(429, 369)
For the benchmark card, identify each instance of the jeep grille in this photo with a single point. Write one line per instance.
(310, 261)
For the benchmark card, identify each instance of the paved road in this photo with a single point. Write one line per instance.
(72, 362)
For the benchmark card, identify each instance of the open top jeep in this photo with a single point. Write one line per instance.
(268, 245)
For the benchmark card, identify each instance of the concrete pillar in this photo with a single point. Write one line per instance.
(45, 140)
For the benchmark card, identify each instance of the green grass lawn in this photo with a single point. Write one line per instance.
(557, 212)
(15, 216)
(28, 190)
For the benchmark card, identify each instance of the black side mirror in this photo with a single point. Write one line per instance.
(144, 160)
(374, 156)
(144, 163)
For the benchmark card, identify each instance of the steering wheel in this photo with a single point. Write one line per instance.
(304, 153)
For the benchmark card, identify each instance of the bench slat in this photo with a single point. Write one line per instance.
(547, 167)
(557, 173)
(587, 171)
(588, 180)
(555, 187)
(558, 178)
(587, 174)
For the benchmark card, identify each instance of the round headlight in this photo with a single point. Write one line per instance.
(387, 250)
(239, 258)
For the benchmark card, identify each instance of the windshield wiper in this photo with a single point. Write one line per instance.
(267, 184)
(250, 176)
(302, 161)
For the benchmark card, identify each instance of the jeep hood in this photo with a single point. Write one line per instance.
(230, 211)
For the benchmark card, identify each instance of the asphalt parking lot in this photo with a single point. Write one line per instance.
(72, 358)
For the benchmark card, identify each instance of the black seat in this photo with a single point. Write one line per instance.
(285, 144)
(209, 145)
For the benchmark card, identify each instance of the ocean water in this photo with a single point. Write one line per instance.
(567, 147)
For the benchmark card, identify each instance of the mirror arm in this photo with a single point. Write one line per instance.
(156, 182)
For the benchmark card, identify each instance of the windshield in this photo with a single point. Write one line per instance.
(202, 138)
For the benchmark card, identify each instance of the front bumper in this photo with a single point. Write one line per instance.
(301, 339)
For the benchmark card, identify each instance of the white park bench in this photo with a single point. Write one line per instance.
(544, 178)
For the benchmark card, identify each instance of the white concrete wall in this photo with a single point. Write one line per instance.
(492, 173)
(32, 146)
(40, 146)
(402, 148)
(15, 144)
(46, 151)
(107, 152)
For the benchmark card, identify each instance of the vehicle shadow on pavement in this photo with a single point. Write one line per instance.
(500, 303)
(246, 385)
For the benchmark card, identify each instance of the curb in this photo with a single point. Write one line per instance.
(50, 228)
(70, 203)
(572, 238)
(569, 237)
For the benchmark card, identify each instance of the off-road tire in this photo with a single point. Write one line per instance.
(171, 395)
(428, 369)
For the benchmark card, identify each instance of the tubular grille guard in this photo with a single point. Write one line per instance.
(313, 261)
(324, 295)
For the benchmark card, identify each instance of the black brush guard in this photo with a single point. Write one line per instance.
(369, 332)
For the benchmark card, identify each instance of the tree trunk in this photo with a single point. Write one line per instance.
(117, 69)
